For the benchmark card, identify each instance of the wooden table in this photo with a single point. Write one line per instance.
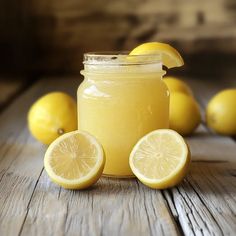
(203, 204)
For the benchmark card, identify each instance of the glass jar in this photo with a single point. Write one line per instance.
(121, 99)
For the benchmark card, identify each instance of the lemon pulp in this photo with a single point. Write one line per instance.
(160, 159)
(75, 160)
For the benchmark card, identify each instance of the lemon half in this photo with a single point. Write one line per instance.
(75, 160)
(160, 159)
(170, 56)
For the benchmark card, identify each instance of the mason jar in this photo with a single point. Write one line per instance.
(121, 99)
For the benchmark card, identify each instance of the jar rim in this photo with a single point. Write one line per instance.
(119, 58)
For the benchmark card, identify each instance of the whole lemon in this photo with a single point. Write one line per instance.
(52, 115)
(184, 113)
(177, 85)
(221, 112)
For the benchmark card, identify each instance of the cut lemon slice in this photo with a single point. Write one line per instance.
(160, 159)
(170, 56)
(75, 160)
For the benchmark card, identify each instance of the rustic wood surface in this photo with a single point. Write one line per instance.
(9, 89)
(51, 36)
(203, 204)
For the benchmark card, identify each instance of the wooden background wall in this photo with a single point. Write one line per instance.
(50, 36)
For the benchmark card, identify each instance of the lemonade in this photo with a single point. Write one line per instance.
(121, 99)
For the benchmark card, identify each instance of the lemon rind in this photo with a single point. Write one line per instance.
(163, 49)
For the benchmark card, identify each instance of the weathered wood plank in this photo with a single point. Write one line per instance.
(205, 201)
(9, 88)
(203, 204)
(192, 223)
(21, 157)
(111, 207)
(31, 205)
(206, 146)
(114, 206)
(204, 89)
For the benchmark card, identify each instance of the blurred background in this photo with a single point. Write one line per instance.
(49, 37)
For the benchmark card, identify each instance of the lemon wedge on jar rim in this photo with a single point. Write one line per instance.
(170, 56)
(75, 160)
(160, 159)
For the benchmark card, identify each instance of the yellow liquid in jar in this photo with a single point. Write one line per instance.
(118, 110)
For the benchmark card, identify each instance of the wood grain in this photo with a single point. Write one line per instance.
(206, 146)
(111, 207)
(205, 201)
(30, 202)
(207, 195)
(9, 88)
(21, 157)
(203, 204)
